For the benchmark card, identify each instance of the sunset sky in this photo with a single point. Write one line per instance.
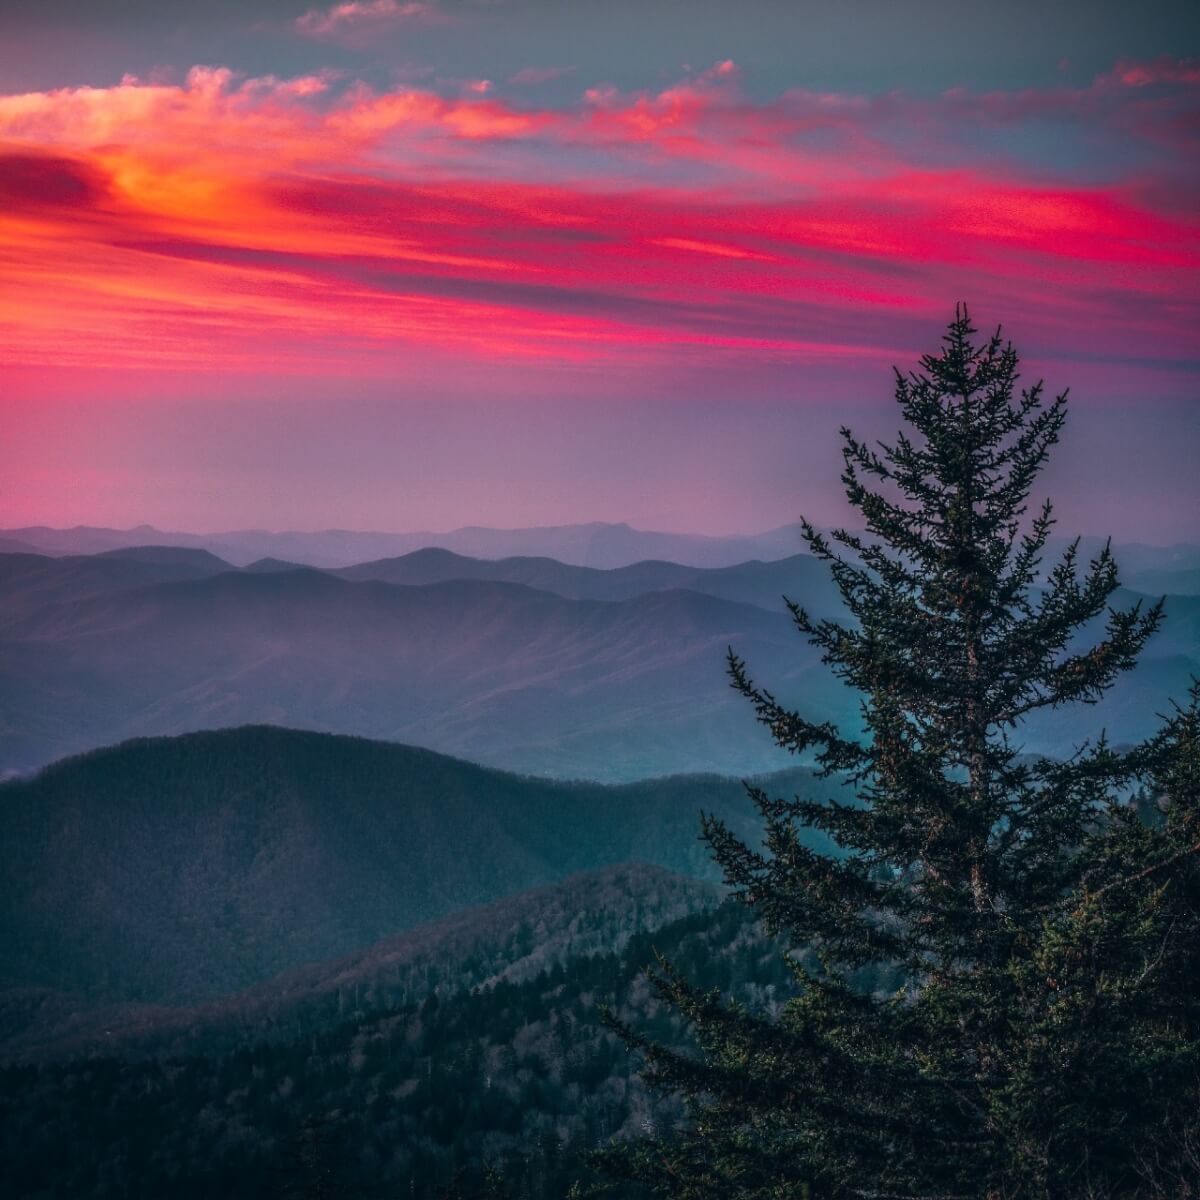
(396, 264)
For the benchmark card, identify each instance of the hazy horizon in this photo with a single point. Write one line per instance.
(1117, 472)
(318, 530)
(414, 266)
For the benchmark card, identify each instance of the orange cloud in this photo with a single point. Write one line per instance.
(266, 221)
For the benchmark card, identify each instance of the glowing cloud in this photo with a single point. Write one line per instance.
(259, 220)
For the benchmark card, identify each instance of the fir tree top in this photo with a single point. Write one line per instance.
(999, 1007)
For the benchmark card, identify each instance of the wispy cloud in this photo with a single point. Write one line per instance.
(342, 18)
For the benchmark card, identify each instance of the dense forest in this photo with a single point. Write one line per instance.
(517, 1076)
(513, 939)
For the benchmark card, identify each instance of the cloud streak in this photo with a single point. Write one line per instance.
(253, 222)
(344, 18)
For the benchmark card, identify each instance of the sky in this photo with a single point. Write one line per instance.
(414, 264)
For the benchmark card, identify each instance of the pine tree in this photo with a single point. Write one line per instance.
(1044, 1041)
(308, 1169)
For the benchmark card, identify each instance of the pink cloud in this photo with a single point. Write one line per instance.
(231, 221)
(1164, 70)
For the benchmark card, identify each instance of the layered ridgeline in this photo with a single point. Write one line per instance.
(488, 669)
(525, 663)
(592, 544)
(30, 581)
(183, 869)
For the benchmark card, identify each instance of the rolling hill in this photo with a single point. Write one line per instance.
(178, 870)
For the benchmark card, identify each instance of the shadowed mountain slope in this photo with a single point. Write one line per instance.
(513, 939)
(177, 870)
(32, 582)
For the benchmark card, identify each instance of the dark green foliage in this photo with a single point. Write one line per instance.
(514, 1078)
(1044, 1040)
(516, 939)
(312, 1163)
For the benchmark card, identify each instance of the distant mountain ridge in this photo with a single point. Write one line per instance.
(49, 579)
(753, 582)
(594, 544)
(485, 669)
(528, 664)
(31, 582)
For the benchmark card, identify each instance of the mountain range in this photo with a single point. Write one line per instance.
(528, 664)
(207, 938)
(595, 544)
(598, 544)
(30, 582)
(489, 670)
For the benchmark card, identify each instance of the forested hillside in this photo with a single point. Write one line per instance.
(513, 939)
(176, 870)
(518, 1075)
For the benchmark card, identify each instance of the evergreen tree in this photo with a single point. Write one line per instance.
(1044, 1041)
(308, 1170)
